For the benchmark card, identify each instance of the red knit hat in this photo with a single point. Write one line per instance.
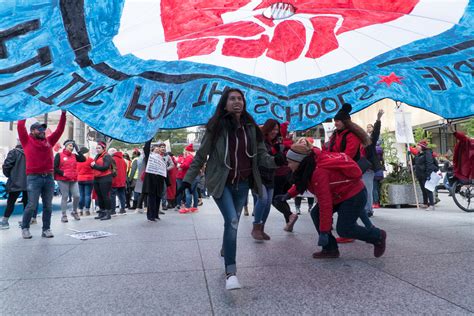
(189, 148)
(423, 143)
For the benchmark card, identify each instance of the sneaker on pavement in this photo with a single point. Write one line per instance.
(64, 219)
(113, 213)
(47, 233)
(326, 254)
(25, 232)
(298, 211)
(342, 240)
(183, 211)
(122, 211)
(88, 213)
(379, 248)
(33, 221)
(4, 225)
(76, 216)
(193, 209)
(232, 283)
(81, 213)
(431, 208)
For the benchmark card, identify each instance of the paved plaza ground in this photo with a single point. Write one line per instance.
(172, 267)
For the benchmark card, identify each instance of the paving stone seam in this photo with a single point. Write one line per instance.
(15, 282)
(99, 275)
(204, 270)
(418, 287)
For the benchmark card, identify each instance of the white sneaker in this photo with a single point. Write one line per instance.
(47, 233)
(232, 283)
(25, 232)
(430, 208)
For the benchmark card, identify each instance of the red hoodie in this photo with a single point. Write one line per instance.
(84, 171)
(463, 158)
(39, 152)
(120, 179)
(335, 179)
(185, 164)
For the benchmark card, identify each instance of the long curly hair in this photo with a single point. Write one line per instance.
(222, 120)
(358, 131)
(268, 127)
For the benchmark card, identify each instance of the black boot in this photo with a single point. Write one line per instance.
(106, 216)
(134, 205)
(100, 214)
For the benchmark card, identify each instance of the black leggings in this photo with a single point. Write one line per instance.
(298, 200)
(428, 197)
(102, 187)
(282, 185)
(12, 197)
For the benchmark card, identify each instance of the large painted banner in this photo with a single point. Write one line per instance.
(128, 68)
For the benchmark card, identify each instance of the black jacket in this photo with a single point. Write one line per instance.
(267, 174)
(371, 151)
(153, 183)
(425, 164)
(14, 168)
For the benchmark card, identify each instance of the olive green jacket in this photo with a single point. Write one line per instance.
(217, 170)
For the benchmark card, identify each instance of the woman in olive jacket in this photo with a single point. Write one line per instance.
(233, 148)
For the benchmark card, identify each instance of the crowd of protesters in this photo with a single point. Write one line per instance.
(235, 157)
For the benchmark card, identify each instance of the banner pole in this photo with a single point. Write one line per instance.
(410, 162)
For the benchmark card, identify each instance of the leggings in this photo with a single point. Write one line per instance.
(282, 186)
(12, 197)
(102, 187)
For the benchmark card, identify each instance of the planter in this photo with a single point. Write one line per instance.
(400, 194)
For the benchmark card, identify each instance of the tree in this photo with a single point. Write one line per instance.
(469, 127)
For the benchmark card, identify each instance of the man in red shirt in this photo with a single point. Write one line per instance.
(39, 171)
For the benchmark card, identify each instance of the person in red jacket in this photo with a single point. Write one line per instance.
(102, 166)
(65, 173)
(335, 180)
(39, 171)
(348, 138)
(190, 194)
(119, 182)
(85, 179)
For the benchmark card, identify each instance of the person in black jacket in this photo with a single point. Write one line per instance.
(14, 168)
(371, 156)
(153, 184)
(102, 166)
(424, 166)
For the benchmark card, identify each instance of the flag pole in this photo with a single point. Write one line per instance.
(410, 162)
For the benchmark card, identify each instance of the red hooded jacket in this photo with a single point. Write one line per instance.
(84, 171)
(39, 152)
(463, 158)
(335, 179)
(120, 179)
(185, 164)
(352, 143)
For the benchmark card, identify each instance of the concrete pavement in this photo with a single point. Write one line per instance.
(172, 267)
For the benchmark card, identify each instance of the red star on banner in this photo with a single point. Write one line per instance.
(390, 79)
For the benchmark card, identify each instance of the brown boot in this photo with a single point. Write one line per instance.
(257, 232)
(246, 210)
(265, 236)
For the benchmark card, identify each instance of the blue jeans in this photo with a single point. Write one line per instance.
(192, 194)
(263, 205)
(368, 179)
(230, 204)
(85, 195)
(39, 185)
(113, 198)
(348, 212)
